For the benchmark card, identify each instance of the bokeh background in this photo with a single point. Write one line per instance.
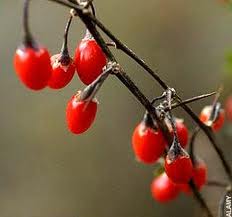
(45, 171)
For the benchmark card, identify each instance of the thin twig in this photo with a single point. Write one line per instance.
(216, 184)
(193, 99)
(192, 143)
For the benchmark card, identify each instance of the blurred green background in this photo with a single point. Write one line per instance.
(45, 171)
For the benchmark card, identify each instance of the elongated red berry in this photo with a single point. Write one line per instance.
(80, 114)
(32, 66)
(179, 170)
(182, 132)
(163, 189)
(199, 177)
(89, 60)
(148, 142)
(31, 61)
(219, 119)
(178, 164)
(62, 72)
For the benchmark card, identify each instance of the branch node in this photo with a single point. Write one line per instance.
(73, 12)
(115, 67)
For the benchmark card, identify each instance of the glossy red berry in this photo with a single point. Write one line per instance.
(219, 121)
(62, 72)
(199, 177)
(228, 108)
(33, 66)
(163, 189)
(179, 169)
(89, 60)
(148, 143)
(80, 114)
(182, 132)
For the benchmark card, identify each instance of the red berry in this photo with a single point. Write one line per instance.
(182, 132)
(163, 189)
(33, 67)
(199, 177)
(80, 114)
(148, 143)
(89, 60)
(205, 118)
(61, 73)
(179, 169)
(228, 108)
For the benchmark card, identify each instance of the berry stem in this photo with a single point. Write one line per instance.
(216, 106)
(191, 145)
(168, 95)
(158, 98)
(65, 58)
(28, 40)
(91, 90)
(148, 121)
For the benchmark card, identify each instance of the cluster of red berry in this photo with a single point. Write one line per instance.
(36, 69)
(149, 146)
